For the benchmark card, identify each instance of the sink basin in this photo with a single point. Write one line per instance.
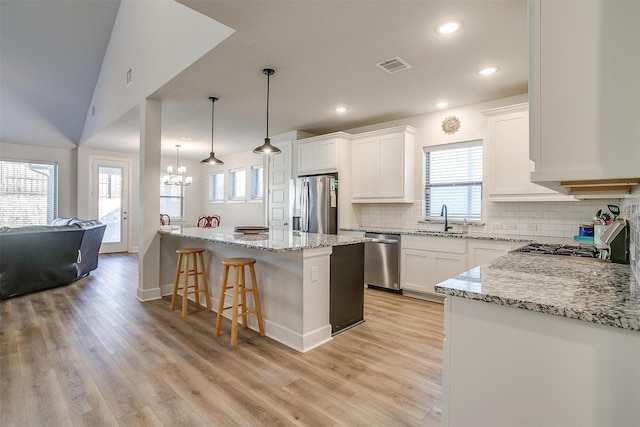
(440, 232)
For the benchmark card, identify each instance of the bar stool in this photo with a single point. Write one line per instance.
(191, 268)
(239, 289)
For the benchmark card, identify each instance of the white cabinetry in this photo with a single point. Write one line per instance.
(279, 174)
(481, 252)
(507, 158)
(583, 90)
(320, 154)
(426, 261)
(382, 169)
(498, 360)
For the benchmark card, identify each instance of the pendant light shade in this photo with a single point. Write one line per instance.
(212, 160)
(267, 148)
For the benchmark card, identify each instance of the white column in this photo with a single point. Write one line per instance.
(149, 239)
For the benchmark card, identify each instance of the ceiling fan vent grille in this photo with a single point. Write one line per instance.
(393, 65)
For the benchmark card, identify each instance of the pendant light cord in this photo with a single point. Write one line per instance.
(268, 79)
(213, 100)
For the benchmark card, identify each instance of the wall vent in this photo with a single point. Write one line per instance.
(393, 65)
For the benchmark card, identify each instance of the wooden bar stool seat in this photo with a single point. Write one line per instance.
(193, 260)
(238, 290)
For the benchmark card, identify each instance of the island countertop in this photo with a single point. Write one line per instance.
(275, 240)
(593, 291)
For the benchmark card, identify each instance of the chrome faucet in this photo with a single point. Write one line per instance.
(443, 212)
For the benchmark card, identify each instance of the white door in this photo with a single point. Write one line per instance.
(111, 202)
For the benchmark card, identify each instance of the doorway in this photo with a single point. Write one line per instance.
(111, 201)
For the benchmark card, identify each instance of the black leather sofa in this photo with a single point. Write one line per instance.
(42, 257)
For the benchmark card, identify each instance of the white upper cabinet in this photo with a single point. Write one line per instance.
(507, 158)
(320, 154)
(584, 90)
(382, 168)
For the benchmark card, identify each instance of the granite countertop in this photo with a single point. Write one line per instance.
(466, 235)
(276, 240)
(590, 290)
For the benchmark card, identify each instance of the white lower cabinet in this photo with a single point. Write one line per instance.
(483, 252)
(426, 261)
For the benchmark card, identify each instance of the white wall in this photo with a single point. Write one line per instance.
(66, 159)
(234, 213)
(194, 198)
(156, 40)
(555, 219)
(429, 132)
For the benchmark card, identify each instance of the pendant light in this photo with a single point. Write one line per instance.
(212, 160)
(267, 148)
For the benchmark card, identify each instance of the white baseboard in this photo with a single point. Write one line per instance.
(277, 332)
(148, 294)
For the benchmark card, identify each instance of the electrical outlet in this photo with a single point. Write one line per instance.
(510, 226)
(531, 227)
(314, 274)
(496, 225)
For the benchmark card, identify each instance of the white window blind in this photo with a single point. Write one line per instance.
(237, 184)
(28, 193)
(171, 199)
(257, 182)
(216, 187)
(453, 177)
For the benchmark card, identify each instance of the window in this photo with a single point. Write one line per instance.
(237, 184)
(28, 193)
(453, 176)
(171, 199)
(216, 187)
(257, 191)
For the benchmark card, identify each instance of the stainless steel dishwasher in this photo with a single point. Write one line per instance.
(382, 261)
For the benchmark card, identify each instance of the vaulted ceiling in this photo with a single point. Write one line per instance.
(324, 53)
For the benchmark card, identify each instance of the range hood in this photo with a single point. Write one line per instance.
(593, 188)
(618, 186)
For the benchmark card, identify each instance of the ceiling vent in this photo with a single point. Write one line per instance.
(393, 65)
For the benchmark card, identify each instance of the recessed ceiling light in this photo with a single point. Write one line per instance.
(488, 71)
(448, 27)
(341, 109)
(442, 104)
(184, 138)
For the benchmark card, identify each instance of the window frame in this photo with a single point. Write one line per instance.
(470, 184)
(213, 187)
(50, 191)
(180, 197)
(233, 186)
(256, 193)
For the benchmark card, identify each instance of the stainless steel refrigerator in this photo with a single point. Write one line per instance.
(314, 204)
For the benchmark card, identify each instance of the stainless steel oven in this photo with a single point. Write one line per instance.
(382, 261)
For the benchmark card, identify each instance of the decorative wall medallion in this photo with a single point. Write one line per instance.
(451, 125)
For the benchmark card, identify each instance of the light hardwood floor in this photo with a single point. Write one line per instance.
(91, 354)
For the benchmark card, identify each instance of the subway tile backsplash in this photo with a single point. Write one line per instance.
(548, 219)
(545, 219)
(631, 209)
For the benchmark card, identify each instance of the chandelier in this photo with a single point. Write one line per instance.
(179, 177)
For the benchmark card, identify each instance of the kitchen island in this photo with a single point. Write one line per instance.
(293, 271)
(536, 340)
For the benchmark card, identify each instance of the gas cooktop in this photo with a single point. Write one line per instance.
(585, 251)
